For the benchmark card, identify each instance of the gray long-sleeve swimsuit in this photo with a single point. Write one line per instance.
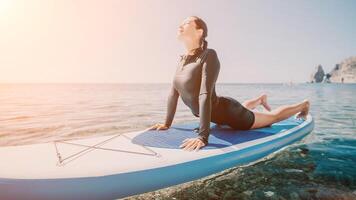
(194, 81)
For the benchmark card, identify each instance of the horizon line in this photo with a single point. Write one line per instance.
(145, 82)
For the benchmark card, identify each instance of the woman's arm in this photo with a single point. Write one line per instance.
(210, 72)
(171, 106)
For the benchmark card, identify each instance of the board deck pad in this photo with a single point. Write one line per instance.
(220, 137)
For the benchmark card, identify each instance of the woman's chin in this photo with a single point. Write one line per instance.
(180, 34)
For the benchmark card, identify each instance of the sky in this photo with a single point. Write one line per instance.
(134, 41)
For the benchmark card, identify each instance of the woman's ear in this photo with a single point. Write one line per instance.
(200, 32)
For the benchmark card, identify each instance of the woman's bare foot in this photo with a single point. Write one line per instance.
(264, 103)
(303, 114)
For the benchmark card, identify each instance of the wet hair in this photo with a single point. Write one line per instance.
(200, 24)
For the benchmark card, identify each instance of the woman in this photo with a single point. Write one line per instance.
(194, 81)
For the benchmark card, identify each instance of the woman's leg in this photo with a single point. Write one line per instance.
(253, 103)
(280, 113)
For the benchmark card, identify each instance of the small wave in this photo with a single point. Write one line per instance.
(17, 118)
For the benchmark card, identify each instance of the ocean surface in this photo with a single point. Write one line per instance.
(321, 166)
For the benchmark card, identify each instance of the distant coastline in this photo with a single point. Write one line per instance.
(343, 72)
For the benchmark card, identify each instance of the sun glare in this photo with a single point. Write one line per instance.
(5, 6)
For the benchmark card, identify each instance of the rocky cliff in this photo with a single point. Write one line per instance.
(344, 72)
(318, 75)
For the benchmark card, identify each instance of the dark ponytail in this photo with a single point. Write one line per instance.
(200, 24)
(204, 44)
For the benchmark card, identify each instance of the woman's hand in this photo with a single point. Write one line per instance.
(158, 127)
(192, 144)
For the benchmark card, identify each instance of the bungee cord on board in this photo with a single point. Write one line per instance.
(61, 160)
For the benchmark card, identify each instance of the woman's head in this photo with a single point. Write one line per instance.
(193, 29)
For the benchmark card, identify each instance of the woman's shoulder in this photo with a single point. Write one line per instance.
(211, 59)
(211, 50)
(211, 53)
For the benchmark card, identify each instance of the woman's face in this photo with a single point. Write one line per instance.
(187, 30)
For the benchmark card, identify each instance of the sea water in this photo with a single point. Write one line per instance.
(321, 166)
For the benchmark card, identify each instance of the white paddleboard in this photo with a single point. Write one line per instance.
(126, 164)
